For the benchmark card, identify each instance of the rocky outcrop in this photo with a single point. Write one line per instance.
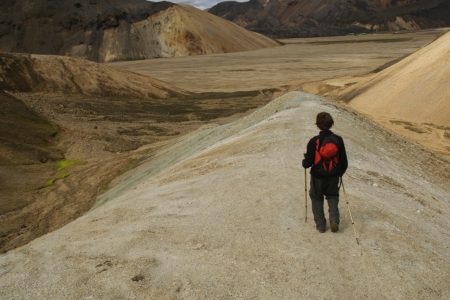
(304, 18)
(111, 30)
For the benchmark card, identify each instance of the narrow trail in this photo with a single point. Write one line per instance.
(219, 215)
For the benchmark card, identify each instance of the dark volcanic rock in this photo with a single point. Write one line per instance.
(305, 18)
(74, 27)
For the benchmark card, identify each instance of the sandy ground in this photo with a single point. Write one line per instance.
(419, 87)
(429, 135)
(299, 61)
(224, 220)
(418, 97)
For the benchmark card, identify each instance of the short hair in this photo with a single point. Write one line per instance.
(324, 121)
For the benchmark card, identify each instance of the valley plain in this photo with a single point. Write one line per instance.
(323, 65)
(290, 66)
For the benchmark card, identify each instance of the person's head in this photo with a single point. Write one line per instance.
(324, 121)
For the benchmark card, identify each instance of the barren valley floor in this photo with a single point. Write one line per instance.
(289, 66)
(317, 65)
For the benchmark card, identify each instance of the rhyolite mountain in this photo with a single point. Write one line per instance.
(306, 18)
(111, 30)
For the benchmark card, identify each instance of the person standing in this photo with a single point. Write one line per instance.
(327, 158)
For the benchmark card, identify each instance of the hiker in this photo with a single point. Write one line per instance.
(328, 161)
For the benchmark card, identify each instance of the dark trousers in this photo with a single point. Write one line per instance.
(328, 187)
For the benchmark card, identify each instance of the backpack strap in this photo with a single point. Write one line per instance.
(317, 156)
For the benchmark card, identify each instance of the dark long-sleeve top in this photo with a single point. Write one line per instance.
(311, 150)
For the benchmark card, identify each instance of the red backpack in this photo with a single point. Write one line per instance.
(326, 158)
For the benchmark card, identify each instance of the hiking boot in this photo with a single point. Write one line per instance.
(322, 229)
(334, 227)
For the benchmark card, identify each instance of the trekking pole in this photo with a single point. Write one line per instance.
(306, 199)
(350, 212)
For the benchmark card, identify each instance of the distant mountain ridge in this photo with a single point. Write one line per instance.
(305, 18)
(111, 30)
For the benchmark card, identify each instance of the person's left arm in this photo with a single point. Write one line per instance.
(343, 157)
(308, 161)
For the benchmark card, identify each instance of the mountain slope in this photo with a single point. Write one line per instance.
(226, 220)
(25, 137)
(110, 30)
(44, 73)
(47, 127)
(418, 87)
(70, 126)
(304, 18)
(411, 97)
(185, 30)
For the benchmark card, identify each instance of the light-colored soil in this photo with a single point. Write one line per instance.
(429, 135)
(290, 66)
(224, 220)
(416, 89)
(411, 97)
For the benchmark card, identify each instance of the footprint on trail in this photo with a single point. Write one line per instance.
(138, 278)
(104, 266)
(5, 269)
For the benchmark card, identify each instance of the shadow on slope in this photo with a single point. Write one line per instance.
(26, 137)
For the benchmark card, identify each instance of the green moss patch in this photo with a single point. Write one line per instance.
(65, 163)
(62, 170)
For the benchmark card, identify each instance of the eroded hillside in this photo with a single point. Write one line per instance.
(105, 30)
(47, 73)
(304, 18)
(70, 126)
(411, 97)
